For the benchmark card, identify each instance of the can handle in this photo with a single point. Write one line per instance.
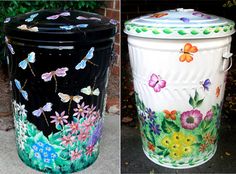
(227, 57)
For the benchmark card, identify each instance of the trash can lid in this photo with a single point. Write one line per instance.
(179, 24)
(60, 26)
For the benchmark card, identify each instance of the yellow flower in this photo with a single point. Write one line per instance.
(175, 146)
(166, 141)
(176, 154)
(187, 150)
(189, 140)
(178, 137)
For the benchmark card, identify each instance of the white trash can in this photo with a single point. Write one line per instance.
(179, 61)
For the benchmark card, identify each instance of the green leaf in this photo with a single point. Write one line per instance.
(225, 29)
(216, 30)
(31, 130)
(169, 126)
(58, 127)
(206, 31)
(138, 30)
(182, 32)
(196, 145)
(144, 29)
(161, 147)
(199, 138)
(166, 153)
(196, 96)
(167, 31)
(199, 102)
(160, 153)
(191, 102)
(194, 32)
(155, 32)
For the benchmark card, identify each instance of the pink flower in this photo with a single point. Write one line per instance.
(91, 111)
(67, 140)
(209, 115)
(75, 154)
(89, 150)
(87, 124)
(81, 110)
(59, 118)
(83, 135)
(74, 127)
(191, 119)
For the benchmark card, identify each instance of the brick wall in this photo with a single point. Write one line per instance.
(111, 9)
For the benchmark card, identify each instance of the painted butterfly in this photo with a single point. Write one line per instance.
(21, 89)
(26, 62)
(156, 82)
(89, 91)
(187, 52)
(31, 18)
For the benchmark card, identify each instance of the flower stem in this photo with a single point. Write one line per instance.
(54, 76)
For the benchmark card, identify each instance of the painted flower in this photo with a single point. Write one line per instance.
(207, 137)
(151, 146)
(155, 128)
(96, 135)
(176, 154)
(83, 135)
(89, 150)
(177, 137)
(67, 140)
(74, 127)
(209, 115)
(189, 140)
(170, 114)
(75, 154)
(81, 110)
(87, 124)
(175, 146)
(22, 127)
(166, 141)
(150, 114)
(217, 91)
(21, 109)
(191, 119)
(187, 150)
(202, 147)
(142, 118)
(91, 111)
(59, 118)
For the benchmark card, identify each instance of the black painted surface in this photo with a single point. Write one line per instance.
(48, 59)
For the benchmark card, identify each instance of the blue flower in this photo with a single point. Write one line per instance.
(37, 155)
(142, 118)
(151, 114)
(155, 128)
(96, 135)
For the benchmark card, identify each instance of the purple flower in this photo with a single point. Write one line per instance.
(96, 135)
(81, 110)
(191, 119)
(151, 114)
(142, 118)
(209, 115)
(155, 128)
(185, 20)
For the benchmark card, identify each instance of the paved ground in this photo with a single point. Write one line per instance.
(107, 162)
(224, 161)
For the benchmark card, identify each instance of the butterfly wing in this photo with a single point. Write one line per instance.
(206, 84)
(67, 27)
(94, 18)
(47, 107)
(10, 48)
(188, 58)
(81, 18)
(65, 14)
(53, 17)
(188, 48)
(22, 27)
(89, 55)
(47, 76)
(31, 57)
(77, 98)
(153, 80)
(24, 94)
(182, 58)
(81, 65)
(82, 25)
(37, 112)
(23, 64)
(18, 85)
(96, 92)
(31, 18)
(33, 29)
(64, 97)
(61, 72)
(86, 90)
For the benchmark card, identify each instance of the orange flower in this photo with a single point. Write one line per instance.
(207, 137)
(151, 146)
(170, 114)
(202, 147)
(188, 49)
(218, 91)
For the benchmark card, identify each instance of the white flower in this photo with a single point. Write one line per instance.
(22, 110)
(22, 126)
(21, 144)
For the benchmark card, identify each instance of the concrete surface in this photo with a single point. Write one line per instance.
(108, 160)
(224, 161)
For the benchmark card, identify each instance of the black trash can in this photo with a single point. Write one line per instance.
(58, 64)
